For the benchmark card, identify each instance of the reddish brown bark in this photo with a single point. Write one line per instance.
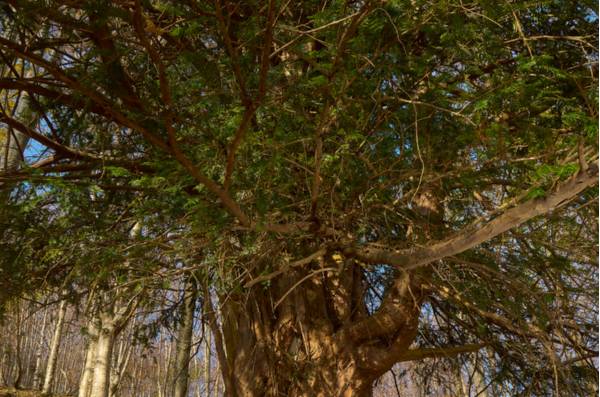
(320, 340)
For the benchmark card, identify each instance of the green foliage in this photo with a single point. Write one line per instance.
(356, 110)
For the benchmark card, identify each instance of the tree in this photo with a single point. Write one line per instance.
(54, 346)
(184, 339)
(360, 183)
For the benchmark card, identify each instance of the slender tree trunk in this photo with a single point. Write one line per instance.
(217, 383)
(480, 383)
(207, 361)
(169, 364)
(54, 346)
(184, 339)
(37, 371)
(158, 376)
(120, 365)
(18, 365)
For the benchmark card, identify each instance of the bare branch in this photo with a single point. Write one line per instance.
(440, 352)
(44, 140)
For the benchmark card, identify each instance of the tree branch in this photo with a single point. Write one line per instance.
(44, 140)
(209, 312)
(250, 105)
(522, 329)
(108, 107)
(476, 234)
(440, 352)
(400, 305)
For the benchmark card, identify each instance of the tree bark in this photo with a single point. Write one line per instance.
(90, 359)
(184, 339)
(101, 374)
(320, 340)
(120, 365)
(112, 314)
(18, 365)
(54, 346)
(207, 361)
(37, 371)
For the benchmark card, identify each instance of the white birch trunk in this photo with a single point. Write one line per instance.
(88, 371)
(37, 371)
(101, 375)
(110, 323)
(54, 346)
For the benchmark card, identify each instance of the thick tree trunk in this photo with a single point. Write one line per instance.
(54, 346)
(184, 339)
(318, 338)
(111, 316)
(101, 374)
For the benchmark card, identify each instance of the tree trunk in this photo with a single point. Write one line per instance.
(90, 360)
(112, 314)
(480, 385)
(101, 374)
(207, 361)
(54, 346)
(318, 338)
(12, 142)
(184, 339)
(120, 363)
(37, 370)
(217, 385)
(18, 365)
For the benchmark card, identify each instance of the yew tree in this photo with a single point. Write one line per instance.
(354, 184)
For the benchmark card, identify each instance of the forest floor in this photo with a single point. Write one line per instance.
(23, 393)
